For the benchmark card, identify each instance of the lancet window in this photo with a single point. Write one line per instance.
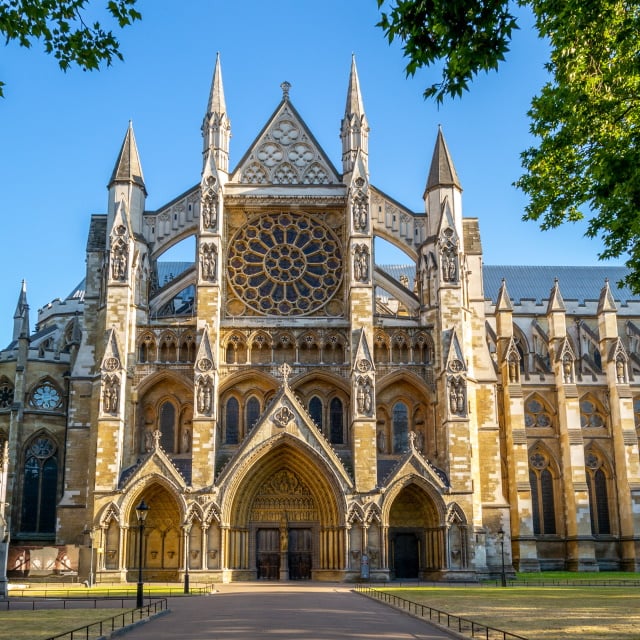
(336, 421)
(542, 492)
(39, 487)
(400, 427)
(597, 484)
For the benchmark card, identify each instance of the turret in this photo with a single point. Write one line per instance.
(442, 184)
(216, 127)
(21, 316)
(354, 130)
(127, 184)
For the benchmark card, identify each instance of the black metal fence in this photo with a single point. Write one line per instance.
(456, 623)
(109, 625)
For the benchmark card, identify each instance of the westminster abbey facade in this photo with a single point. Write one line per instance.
(289, 408)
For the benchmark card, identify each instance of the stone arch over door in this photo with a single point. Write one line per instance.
(416, 543)
(162, 540)
(286, 498)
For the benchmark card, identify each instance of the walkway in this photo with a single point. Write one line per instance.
(309, 611)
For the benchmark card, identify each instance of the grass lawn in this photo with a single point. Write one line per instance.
(34, 625)
(540, 613)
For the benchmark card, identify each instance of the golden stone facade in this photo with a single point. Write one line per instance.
(290, 409)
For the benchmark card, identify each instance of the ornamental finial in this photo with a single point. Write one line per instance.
(285, 370)
(285, 86)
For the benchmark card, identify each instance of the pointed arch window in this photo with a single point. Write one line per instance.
(536, 414)
(542, 494)
(232, 421)
(598, 494)
(400, 427)
(336, 421)
(167, 426)
(252, 413)
(315, 411)
(590, 414)
(39, 488)
(636, 411)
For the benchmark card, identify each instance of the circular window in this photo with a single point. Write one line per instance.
(46, 397)
(285, 264)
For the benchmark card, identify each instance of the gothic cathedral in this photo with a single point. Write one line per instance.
(288, 408)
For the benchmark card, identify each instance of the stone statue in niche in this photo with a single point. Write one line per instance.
(210, 210)
(457, 396)
(382, 441)
(359, 207)
(567, 369)
(204, 397)
(208, 262)
(620, 373)
(361, 263)
(148, 441)
(449, 265)
(110, 398)
(364, 395)
(514, 370)
(186, 441)
(119, 261)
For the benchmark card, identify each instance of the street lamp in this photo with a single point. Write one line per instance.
(141, 512)
(91, 533)
(503, 577)
(187, 531)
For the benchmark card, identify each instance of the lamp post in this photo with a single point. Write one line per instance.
(187, 531)
(141, 512)
(91, 533)
(503, 577)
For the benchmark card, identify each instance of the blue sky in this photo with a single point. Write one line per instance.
(60, 133)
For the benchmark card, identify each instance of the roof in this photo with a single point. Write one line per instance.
(535, 282)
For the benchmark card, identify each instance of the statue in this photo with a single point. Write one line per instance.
(186, 441)
(382, 441)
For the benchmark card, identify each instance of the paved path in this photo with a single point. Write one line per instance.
(306, 612)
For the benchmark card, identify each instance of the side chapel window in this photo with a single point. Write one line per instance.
(598, 494)
(400, 427)
(253, 413)
(39, 487)
(315, 411)
(168, 426)
(336, 419)
(542, 498)
(232, 421)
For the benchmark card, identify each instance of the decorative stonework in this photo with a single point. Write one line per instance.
(284, 264)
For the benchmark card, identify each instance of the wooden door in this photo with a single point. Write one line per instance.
(268, 554)
(300, 554)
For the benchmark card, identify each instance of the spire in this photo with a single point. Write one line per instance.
(556, 303)
(354, 106)
(606, 302)
(21, 316)
(128, 168)
(216, 127)
(354, 129)
(503, 303)
(442, 172)
(216, 95)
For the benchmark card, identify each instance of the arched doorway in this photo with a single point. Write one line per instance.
(162, 540)
(415, 534)
(285, 520)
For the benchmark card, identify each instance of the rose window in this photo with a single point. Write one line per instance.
(285, 264)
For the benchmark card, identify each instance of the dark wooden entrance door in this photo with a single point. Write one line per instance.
(268, 554)
(300, 554)
(405, 556)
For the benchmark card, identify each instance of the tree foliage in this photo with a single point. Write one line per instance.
(60, 25)
(586, 118)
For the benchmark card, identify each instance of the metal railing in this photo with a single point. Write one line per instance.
(109, 625)
(456, 623)
(106, 592)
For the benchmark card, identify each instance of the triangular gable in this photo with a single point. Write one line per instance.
(454, 360)
(157, 463)
(285, 152)
(285, 417)
(363, 362)
(413, 463)
(111, 360)
(204, 359)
